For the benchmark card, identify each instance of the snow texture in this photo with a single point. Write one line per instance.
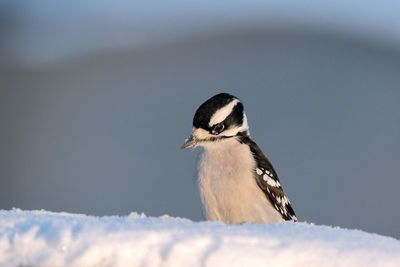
(43, 238)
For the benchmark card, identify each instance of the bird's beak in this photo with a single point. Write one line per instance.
(190, 142)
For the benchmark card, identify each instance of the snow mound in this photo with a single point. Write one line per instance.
(61, 239)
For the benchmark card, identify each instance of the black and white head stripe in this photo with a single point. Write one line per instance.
(221, 114)
(268, 181)
(223, 109)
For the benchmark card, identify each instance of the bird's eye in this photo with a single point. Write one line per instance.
(217, 128)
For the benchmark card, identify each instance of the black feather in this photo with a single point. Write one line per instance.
(208, 108)
(273, 193)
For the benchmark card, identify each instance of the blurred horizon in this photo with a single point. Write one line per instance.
(44, 31)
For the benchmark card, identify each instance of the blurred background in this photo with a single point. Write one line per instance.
(96, 97)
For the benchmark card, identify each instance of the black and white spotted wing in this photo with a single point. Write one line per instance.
(268, 181)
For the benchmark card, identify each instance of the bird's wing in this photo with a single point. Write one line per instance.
(268, 181)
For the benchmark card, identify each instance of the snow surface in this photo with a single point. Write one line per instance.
(61, 239)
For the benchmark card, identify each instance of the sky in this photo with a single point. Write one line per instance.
(95, 102)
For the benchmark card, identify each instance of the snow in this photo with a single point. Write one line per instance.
(61, 239)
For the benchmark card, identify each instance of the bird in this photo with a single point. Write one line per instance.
(237, 182)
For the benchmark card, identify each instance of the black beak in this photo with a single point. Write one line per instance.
(190, 142)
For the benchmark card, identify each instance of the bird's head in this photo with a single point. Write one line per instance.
(220, 117)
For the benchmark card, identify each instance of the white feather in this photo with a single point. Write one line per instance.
(228, 190)
(222, 113)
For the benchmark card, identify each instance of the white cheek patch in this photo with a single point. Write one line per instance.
(231, 132)
(222, 113)
(245, 125)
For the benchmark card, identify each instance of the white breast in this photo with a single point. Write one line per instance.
(228, 189)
